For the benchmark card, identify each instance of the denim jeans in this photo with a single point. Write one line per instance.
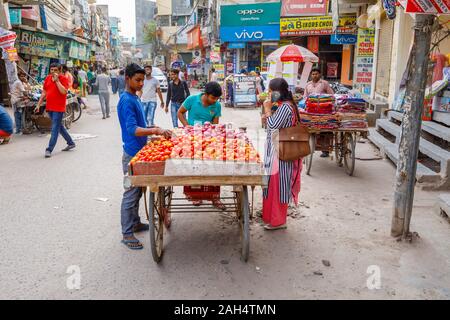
(129, 211)
(18, 114)
(149, 112)
(174, 107)
(114, 85)
(58, 128)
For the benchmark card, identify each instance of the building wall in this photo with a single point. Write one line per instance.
(164, 7)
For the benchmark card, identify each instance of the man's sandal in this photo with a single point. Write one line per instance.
(133, 244)
(270, 228)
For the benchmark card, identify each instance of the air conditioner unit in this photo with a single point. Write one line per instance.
(196, 54)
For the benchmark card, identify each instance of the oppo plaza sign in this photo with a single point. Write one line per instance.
(259, 14)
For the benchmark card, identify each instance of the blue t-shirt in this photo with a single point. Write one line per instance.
(6, 123)
(197, 113)
(131, 116)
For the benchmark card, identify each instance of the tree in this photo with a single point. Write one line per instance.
(150, 33)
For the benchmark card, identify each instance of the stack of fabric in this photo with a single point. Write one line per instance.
(319, 121)
(321, 104)
(353, 105)
(352, 120)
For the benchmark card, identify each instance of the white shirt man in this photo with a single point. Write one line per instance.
(148, 97)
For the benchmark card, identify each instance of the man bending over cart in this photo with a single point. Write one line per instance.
(201, 108)
(134, 138)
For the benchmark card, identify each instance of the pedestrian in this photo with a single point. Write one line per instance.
(283, 176)
(318, 86)
(19, 90)
(91, 79)
(83, 79)
(68, 75)
(114, 81)
(177, 93)
(181, 75)
(213, 77)
(121, 82)
(259, 83)
(148, 96)
(6, 126)
(134, 138)
(103, 82)
(201, 108)
(55, 92)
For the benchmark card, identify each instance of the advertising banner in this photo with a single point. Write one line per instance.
(364, 60)
(220, 71)
(250, 34)
(427, 6)
(259, 14)
(366, 42)
(79, 51)
(321, 25)
(43, 45)
(298, 8)
(343, 39)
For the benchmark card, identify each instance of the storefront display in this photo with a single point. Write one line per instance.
(244, 90)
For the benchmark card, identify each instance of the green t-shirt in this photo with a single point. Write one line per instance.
(197, 113)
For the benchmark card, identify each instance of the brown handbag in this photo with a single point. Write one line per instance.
(293, 142)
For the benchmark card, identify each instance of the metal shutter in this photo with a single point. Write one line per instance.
(384, 57)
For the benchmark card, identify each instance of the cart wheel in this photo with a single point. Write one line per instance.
(244, 223)
(309, 159)
(165, 201)
(338, 148)
(68, 117)
(349, 153)
(156, 230)
(27, 122)
(77, 111)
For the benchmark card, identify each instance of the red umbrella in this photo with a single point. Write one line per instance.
(292, 53)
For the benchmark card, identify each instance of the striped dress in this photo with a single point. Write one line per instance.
(282, 118)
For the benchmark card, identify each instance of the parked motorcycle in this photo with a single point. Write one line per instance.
(339, 88)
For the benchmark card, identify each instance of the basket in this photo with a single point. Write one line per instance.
(148, 168)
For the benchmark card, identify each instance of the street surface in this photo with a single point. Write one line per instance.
(62, 214)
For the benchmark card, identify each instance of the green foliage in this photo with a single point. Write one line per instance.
(150, 35)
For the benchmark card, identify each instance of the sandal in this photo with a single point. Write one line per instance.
(140, 227)
(132, 243)
(197, 203)
(270, 227)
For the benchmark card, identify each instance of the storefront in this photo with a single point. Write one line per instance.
(38, 50)
(334, 49)
(250, 33)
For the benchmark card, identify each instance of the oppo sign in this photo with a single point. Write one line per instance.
(250, 12)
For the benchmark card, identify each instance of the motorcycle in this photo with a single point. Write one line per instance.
(339, 88)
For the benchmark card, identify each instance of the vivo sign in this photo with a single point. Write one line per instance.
(244, 35)
(250, 33)
(250, 12)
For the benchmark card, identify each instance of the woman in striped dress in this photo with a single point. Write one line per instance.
(283, 177)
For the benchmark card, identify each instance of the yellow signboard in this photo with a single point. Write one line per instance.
(366, 42)
(321, 25)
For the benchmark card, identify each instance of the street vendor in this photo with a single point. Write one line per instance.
(201, 108)
(318, 86)
(134, 137)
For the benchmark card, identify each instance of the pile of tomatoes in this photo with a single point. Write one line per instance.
(208, 142)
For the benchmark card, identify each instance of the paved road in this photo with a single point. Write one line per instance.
(52, 225)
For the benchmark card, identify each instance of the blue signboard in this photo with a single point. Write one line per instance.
(343, 39)
(236, 45)
(250, 33)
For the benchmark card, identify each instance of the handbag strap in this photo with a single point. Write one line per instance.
(296, 113)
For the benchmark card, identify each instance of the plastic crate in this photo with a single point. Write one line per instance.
(148, 168)
(202, 192)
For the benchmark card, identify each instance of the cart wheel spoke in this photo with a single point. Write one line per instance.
(338, 149)
(156, 229)
(309, 159)
(349, 146)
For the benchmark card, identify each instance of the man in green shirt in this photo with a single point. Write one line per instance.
(201, 108)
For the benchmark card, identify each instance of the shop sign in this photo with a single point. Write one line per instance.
(366, 42)
(343, 39)
(7, 39)
(15, 16)
(43, 45)
(236, 45)
(194, 38)
(321, 25)
(297, 8)
(363, 74)
(79, 51)
(215, 57)
(426, 6)
(250, 34)
(259, 14)
(220, 71)
(12, 54)
(244, 90)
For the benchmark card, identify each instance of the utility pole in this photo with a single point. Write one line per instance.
(411, 127)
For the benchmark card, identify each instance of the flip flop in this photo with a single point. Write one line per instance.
(270, 228)
(141, 227)
(127, 242)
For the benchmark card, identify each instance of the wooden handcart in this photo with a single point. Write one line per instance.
(162, 203)
(341, 141)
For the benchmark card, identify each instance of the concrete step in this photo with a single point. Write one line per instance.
(442, 206)
(429, 149)
(424, 175)
(371, 118)
(442, 117)
(390, 127)
(431, 127)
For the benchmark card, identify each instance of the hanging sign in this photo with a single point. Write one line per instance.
(426, 6)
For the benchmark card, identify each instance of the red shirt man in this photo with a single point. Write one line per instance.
(56, 101)
(55, 92)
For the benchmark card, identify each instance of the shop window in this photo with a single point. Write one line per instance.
(164, 21)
